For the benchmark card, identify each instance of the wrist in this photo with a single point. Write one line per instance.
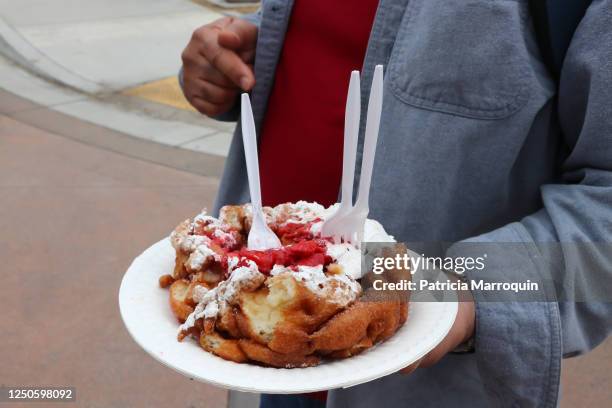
(466, 316)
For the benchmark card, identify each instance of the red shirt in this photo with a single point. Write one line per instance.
(300, 153)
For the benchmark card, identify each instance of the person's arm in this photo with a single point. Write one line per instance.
(519, 345)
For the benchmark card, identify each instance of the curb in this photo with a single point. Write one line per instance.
(15, 47)
(98, 136)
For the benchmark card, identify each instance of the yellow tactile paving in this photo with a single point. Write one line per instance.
(166, 91)
(242, 9)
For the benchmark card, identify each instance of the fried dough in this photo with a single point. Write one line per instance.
(262, 354)
(178, 299)
(278, 317)
(224, 348)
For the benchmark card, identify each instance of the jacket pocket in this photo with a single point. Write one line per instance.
(463, 57)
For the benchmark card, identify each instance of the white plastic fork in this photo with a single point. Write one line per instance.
(348, 223)
(336, 226)
(357, 216)
(261, 236)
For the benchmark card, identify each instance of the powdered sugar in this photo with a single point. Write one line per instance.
(200, 255)
(212, 301)
(340, 287)
(243, 277)
(227, 238)
(337, 288)
(199, 292)
(211, 310)
(301, 212)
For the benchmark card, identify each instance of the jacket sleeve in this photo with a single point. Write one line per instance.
(519, 345)
(234, 112)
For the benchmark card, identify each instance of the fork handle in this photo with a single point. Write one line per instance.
(371, 138)
(249, 139)
(351, 133)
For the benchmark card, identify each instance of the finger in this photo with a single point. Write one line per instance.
(209, 108)
(435, 355)
(211, 74)
(214, 93)
(444, 347)
(221, 23)
(410, 369)
(230, 40)
(226, 61)
(248, 56)
(233, 67)
(195, 67)
(462, 329)
(238, 35)
(432, 358)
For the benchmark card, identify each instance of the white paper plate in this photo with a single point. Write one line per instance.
(147, 316)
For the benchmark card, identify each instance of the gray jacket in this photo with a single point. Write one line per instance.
(477, 142)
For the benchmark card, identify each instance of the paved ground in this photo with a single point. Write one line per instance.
(72, 217)
(111, 64)
(146, 118)
(144, 38)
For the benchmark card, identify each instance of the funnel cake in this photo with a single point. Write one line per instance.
(286, 307)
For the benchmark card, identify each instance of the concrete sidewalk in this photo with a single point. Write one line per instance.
(73, 218)
(113, 44)
(112, 65)
(130, 115)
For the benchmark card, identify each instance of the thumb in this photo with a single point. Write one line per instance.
(238, 35)
(410, 369)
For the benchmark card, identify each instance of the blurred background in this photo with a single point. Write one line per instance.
(101, 156)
